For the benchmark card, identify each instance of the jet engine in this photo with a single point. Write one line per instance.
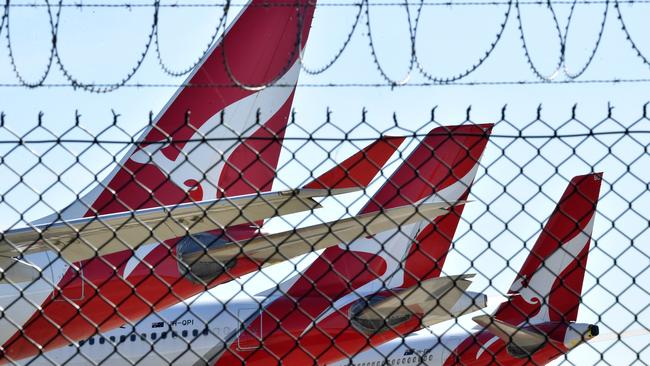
(375, 324)
(194, 261)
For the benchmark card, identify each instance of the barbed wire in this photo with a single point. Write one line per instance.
(327, 5)
(220, 24)
(589, 131)
(313, 138)
(356, 85)
(363, 7)
(594, 48)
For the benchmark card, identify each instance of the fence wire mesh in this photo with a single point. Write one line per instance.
(230, 229)
(181, 251)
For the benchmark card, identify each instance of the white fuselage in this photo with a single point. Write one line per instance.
(186, 334)
(19, 301)
(420, 348)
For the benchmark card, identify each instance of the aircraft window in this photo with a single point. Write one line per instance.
(81, 343)
(122, 338)
(91, 341)
(153, 336)
(112, 338)
(205, 331)
(184, 333)
(163, 335)
(102, 340)
(174, 335)
(195, 332)
(143, 336)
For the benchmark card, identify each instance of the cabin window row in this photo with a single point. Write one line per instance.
(142, 336)
(397, 361)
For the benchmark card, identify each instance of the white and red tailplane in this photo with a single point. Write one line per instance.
(548, 287)
(442, 167)
(216, 138)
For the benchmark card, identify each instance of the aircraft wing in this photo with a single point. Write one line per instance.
(85, 238)
(269, 249)
(433, 297)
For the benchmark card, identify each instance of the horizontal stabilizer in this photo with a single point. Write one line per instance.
(523, 339)
(279, 247)
(435, 300)
(85, 238)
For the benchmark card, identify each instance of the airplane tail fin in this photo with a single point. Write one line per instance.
(441, 168)
(548, 287)
(359, 169)
(221, 133)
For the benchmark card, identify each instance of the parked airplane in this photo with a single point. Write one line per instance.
(381, 286)
(393, 289)
(537, 324)
(182, 211)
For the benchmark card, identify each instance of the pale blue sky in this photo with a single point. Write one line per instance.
(101, 45)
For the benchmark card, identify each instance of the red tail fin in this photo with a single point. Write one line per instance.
(549, 284)
(359, 169)
(443, 165)
(244, 127)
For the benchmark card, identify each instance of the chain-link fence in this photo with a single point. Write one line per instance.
(230, 229)
(449, 245)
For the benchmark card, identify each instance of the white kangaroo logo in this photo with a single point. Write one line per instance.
(541, 282)
(537, 289)
(393, 247)
(201, 162)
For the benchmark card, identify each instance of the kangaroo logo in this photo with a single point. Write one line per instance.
(536, 290)
(199, 163)
(393, 247)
